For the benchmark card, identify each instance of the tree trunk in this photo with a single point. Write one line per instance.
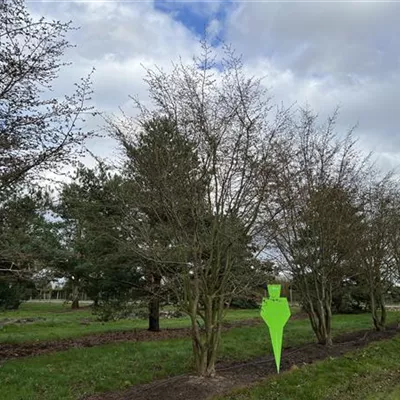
(324, 336)
(378, 311)
(320, 318)
(328, 319)
(323, 331)
(75, 304)
(75, 298)
(205, 350)
(206, 339)
(154, 315)
(154, 304)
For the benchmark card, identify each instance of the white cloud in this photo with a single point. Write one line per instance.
(322, 37)
(214, 28)
(320, 53)
(116, 38)
(327, 54)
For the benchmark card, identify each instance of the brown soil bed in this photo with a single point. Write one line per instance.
(234, 375)
(17, 350)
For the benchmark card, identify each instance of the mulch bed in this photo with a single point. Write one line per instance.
(234, 375)
(17, 350)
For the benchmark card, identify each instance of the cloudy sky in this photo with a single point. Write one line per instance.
(323, 53)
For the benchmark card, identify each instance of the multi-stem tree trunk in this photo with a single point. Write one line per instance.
(320, 314)
(206, 339)
(321, 325)
(205, 351)
(154, 304)
(378, 310)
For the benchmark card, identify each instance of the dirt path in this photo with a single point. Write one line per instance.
(17, 350)
(233, 375)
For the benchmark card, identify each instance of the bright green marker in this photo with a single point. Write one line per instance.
(275, 312)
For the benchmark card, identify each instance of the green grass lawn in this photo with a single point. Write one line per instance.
(372, 373)
(71, 374)
(61, 322)
(389, 393)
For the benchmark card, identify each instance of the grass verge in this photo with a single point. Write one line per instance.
(372, 373)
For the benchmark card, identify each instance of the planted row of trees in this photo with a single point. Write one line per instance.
(215, 183)
(338, 222)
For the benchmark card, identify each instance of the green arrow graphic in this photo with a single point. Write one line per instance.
(275, 312)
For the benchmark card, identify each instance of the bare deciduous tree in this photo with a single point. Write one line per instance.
(206, 202)
(36, 131)
(395, 235)
(377, 253)
(318, 216)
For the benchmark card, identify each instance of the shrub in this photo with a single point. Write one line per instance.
(244, 303)
(13, 293)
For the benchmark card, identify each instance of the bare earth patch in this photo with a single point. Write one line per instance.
(235, 375)
(20, 321)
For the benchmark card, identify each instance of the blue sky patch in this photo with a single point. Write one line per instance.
(195, 15)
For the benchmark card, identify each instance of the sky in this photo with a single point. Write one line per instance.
(320, 53)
